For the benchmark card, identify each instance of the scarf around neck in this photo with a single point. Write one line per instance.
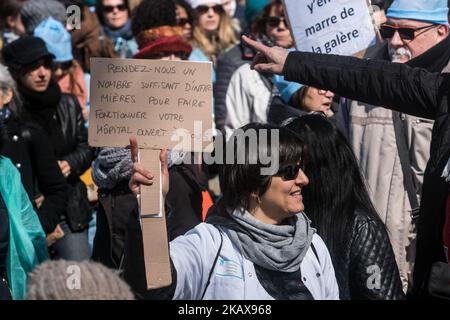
(123, 32)
(434, 59)
(274, 247)
(41, 108)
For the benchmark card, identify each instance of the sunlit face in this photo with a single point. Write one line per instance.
(5, 97)
(15, 24)
(37, 77)
(115, 13)
(279, 34)
(318, 100)
(209, 20)
(229, 6)
(283, 199)
(402, 51)
(183, 21)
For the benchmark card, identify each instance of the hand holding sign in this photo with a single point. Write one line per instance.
(141, 176)
(268, 59)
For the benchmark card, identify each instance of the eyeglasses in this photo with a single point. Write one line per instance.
(120, 7)
(204, 9)
(275, 21)
(181, 22)
(289, 172)
(406, 33)
(62, 65)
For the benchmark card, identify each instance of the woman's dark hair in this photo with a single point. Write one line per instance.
(243, 176)
(336, 186)
(9, 8)
(99, 10)
(153, 13)
(189, 11)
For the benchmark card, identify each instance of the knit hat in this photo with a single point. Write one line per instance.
(434, 11)
(25, 50)
(254, 8)
(35, 11)
(195, 3)
(161, 39)
(56, 38)
(71, 280)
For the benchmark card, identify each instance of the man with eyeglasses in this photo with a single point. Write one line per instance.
(405, 89)
(393, 148)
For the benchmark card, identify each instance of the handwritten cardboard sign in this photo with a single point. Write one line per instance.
(341, 27)
(153, 225)
(165, 104)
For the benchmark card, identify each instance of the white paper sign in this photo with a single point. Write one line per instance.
(341, 27)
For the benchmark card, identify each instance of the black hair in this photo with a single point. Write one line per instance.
(99, 10)
(153, 13)
(336, 186)
(189, 11)
(240, 180)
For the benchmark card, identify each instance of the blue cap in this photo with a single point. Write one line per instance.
(434, 11)
(56, 38)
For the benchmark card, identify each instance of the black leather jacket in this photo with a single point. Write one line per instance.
(77, 151)
(30, 150)
(368, 271)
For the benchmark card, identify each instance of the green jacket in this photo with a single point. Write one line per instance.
(27, 245)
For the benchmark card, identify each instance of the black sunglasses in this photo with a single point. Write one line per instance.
(62, 65)
(275, 21)
(120, 7)
(181, 22)
(406, 33)
(289, 172)
(204, 9)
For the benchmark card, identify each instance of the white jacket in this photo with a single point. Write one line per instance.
(234, 276)
(247, 99)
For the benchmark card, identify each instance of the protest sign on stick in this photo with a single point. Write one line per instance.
(154, 100)
(165, 104)
(342, 27)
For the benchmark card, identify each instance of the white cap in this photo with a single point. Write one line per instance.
(195, 3)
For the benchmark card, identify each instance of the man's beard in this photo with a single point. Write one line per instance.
(396, 54)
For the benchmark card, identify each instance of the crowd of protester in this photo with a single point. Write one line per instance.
(358, 209)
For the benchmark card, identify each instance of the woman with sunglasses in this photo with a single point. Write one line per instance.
(114, 16)
(185, 19)
(213, 32)
(339, 206)
(257, 242)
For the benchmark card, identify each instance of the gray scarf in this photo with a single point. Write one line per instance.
(112, 166)
(274, 247)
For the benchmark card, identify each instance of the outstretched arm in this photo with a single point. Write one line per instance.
(410, 90)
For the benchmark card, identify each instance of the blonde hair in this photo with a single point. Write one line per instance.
(215, 43)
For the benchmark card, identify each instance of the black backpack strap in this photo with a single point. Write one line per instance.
(213, 266)
(405, 163)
